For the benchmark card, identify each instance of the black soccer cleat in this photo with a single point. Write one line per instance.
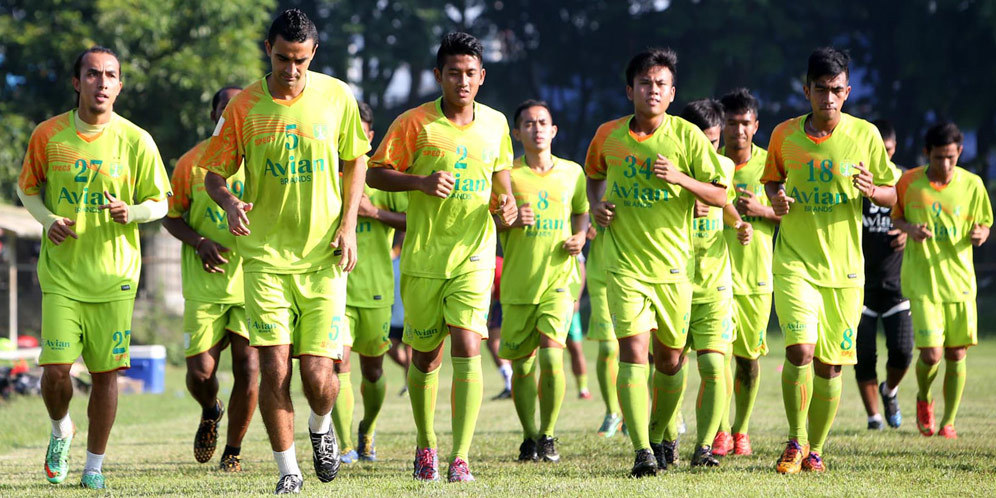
(325, 455)
(703, 457)
(548, 449)
(289, 484)
(645, 464)
(528, 451)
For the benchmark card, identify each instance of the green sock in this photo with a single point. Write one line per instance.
(826, 399)
(954, 384)
(342, 411)
(666, 398)
(924, 378)
(422, 389)
(607, 369)
(671, 427)
(552, 386)
(582, 380)
(632, 384)
(709, 407)
(744, 396)
(373, 394)
(467, 393)
(524, 394)
(724, 419)
(797, 390)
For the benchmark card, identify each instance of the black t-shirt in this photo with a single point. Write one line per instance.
(882, 262)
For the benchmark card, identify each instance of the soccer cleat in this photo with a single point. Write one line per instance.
(892, 414)
(610, 424)
(584, 394)
(813, 463)
(459, 471)
(230, 463)
(426, 465)
(670, 452)
(92, 480)
(791, 460)
(875, 425)
(948, 431)
(547, 451)
(658, 451)
(925, 417)
(206, 438)
(325, 455)
(290, 483)
(645, 464)
(57, 457)
(741, 444)
(504, 394)
(703, 457)
(367, 449)
(623, 429)
(528, 450)
(722, 444)
(349, 456)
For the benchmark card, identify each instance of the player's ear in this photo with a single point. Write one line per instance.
(515, 134)
(553, 132)
(76, 84)
(436, 73)
(483, 72)
(268, 48)
(629, 92)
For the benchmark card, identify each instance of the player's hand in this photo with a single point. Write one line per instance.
(898, 242)
(920, 232)
(592, 232)
(747, 203)
(701, 209)
(344, 243)
(366, 209)
(526, 216)
(438, 184)
(745, 232)
(238, 221)
(604, 212)
(117, 208)
(864, 181)
(507, 211)
(666, 170)
(781, 202)
(575, 243)
(210, 253)
(60, 230)
(979, 234)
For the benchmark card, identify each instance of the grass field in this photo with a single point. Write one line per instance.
(150, 448)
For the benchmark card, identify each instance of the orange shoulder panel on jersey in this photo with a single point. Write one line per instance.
(179, 202)
(34, 167)
(403, 139)
(601, 147)
(901, 187)
(774, 165)
(224, 152)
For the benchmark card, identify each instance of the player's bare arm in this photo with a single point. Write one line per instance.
(731, 218)
(501, 190)
(366, 209)
(712, 194)
(235, 209)
(438, 184)
(979, 234)
(780, 201)
(354, 173)
(882, 195)
(579, 231)
(749, 205)
(209, 251)
(602, 211)
(526, 218)
(918, 231)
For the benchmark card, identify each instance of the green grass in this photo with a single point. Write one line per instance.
(150, 448)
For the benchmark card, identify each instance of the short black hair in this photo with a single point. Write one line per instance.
(739, 101)
(827, 61)
(650, 58)
(366, 113)
(526, 105)
(217, 95)
(458, 43)
(96, 49)
(942, 134)
(292, 25)
(704, 113)
(885, 129)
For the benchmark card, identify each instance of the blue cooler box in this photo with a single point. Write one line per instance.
(148, 364)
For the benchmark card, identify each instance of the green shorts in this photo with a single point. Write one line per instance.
(574, 331)
(101, 332)
(824, 316)
(523, 323)
(710, 327)
(750, 317)
(638, 307)
(600, 321)
(949, 325)
(207, 324)
(369, 330)
(432, 305)
(304, 310)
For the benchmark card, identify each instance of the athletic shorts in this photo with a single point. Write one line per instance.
(710, 327)
(574, 331)
(523, 323)
(638, 307)
(101, 332)
(600, 321)
(881, 302)
(208, 324)
(369, 330)
(396, 332)
(750, 317)
(826, 317)
(304, 310)
(494, 315)
(432, 305)
(949, 325)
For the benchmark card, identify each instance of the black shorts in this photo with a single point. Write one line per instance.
(396, 332)
(494, 315)
(880, 302)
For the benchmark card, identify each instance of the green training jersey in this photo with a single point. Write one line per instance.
(713, 280)
(371, 283)
(72, 171)
(751, 263)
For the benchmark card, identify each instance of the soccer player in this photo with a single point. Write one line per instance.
(369, 297)
(751, 266)
(945, 210)
(542, 277)
(214, 313)
(296, 230)
(89, 177)
(710, 324)
(600, 329)
(882, 246)
(645, 172)
(819, 165)
(453, 154)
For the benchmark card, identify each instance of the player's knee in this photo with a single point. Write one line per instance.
(955, 354)
(55, 375)
(931, 356)
(899, 360)
(799, 354)
(864, 370)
